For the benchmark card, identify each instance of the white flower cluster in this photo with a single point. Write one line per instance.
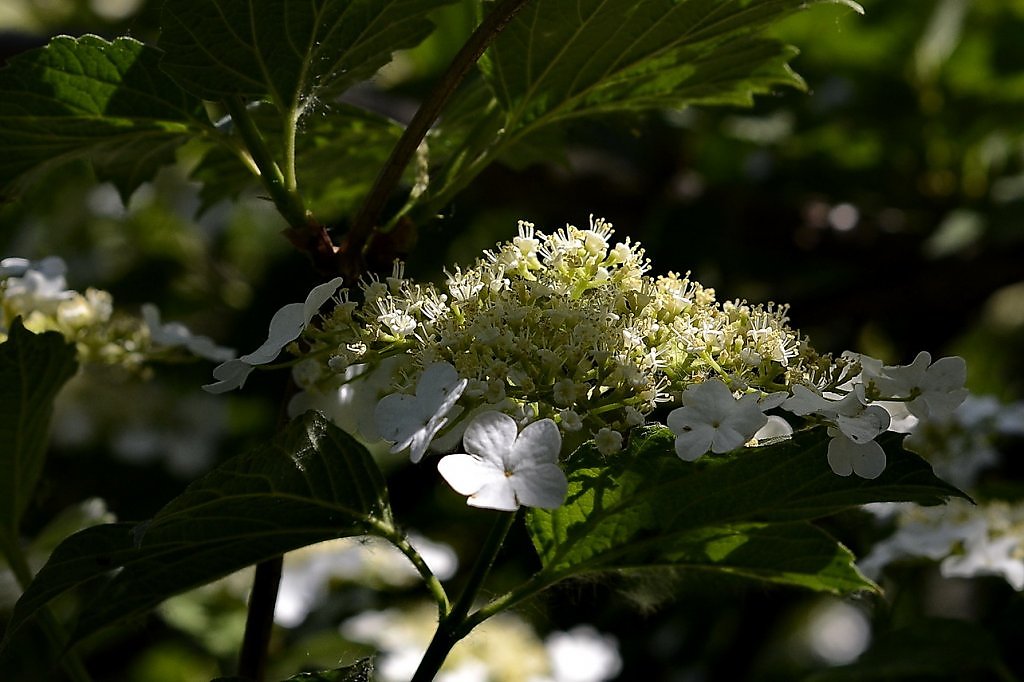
(37, 292)
(553, 339)
(967, 539)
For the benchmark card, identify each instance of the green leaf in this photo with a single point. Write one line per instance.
(745, 512)
(289, 51)
(361, 671)
(86, 98)
(33, 368)
(553, 63)
(313, 482)
(933, 649)
(338, 154)
(557, 62)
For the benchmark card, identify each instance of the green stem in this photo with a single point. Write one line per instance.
(15, 556)
(291, 127)
(369, 213)
(287, 202)
(451, 629)
(430, 580)
(259, 623)
(538, 583)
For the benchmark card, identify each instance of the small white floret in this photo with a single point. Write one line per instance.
(412, 421)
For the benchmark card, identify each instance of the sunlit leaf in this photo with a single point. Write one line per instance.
(33, 368)
(86, 98)
(737, 513)
(311, 483)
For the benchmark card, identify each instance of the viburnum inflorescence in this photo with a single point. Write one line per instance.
(570, 328)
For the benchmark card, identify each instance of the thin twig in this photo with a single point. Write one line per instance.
(369, 213)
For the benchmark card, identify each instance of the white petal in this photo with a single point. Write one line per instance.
(490, 436)
(772, 400)
(805, 401)
(285, 327)
(727, 439)
(467, 474)
(543, 486)
(867, 460)
(397, 417)
(691, 445)
(539, 442)
(440, 386)
(496, 495)
(775, 428)
(231, 374)
(317, 297)
(14, 267)
(863, 427)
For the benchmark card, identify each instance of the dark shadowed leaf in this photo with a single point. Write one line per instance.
(361, 671)
(33, 368)
(289, 51)
(736, 512)
(86, 98)
(311, 483)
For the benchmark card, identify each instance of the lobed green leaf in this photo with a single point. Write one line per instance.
(33, 368)
(736, 512)
(86, 98)
(313, 482)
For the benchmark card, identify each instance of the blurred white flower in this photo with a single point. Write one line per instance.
(984, 555)
(582, 654)
(711, 419)
(35, 285)
(505, 468)
(173, 334)
(286, 325)
(412, 421)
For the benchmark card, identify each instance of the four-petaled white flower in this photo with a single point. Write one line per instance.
(285, 326)
(711, 419)
(504, 468)
(412, 421)
(846, 456)
(934, 389)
